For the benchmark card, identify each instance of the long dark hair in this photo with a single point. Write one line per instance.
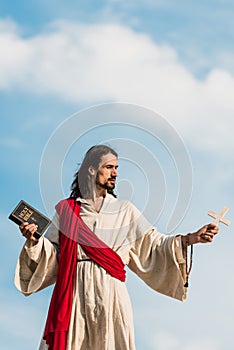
(81, 184)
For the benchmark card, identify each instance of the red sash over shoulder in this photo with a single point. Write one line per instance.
(73, 231)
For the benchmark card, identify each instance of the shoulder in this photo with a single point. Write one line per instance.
(64, 204)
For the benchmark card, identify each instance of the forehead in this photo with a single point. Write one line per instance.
(108, 158)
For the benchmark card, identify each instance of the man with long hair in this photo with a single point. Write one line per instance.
(92, 238)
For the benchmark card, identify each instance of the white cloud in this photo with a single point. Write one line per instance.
(88, 63)
(16, 55)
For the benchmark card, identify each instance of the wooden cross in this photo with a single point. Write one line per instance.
(219, 217)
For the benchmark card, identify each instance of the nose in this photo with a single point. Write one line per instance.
(115, 173)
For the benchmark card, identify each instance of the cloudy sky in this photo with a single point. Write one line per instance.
(155, 79)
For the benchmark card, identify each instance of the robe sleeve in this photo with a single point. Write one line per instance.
(157, 259)
(37, 265)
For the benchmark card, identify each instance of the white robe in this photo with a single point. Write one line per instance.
(101, 316)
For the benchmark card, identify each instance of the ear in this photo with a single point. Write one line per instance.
(91, 171)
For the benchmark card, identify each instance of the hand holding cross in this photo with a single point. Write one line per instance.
(207, 232)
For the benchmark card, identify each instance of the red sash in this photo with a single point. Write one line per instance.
(73, 231)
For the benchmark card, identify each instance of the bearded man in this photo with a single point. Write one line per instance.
(85, 250)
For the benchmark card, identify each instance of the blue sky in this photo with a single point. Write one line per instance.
(60, 58)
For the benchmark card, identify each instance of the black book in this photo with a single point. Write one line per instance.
(26, 213)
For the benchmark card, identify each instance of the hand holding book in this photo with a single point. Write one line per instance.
(31, 222)
(29, 231)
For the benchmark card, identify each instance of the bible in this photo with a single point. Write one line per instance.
(26, 213)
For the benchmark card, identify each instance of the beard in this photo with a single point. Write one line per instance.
(107, 185)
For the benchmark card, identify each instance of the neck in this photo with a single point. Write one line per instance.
(98, 193)
(97, 199)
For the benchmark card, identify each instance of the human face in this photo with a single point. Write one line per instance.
(107, 172)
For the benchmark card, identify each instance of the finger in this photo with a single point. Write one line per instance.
(32, 229)
(30, 237)
(203, 230)
(212, 227)
(22, 226)
(207, 237)
(214, 232)
(205, 240)
(26, 226)
(29, 229)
